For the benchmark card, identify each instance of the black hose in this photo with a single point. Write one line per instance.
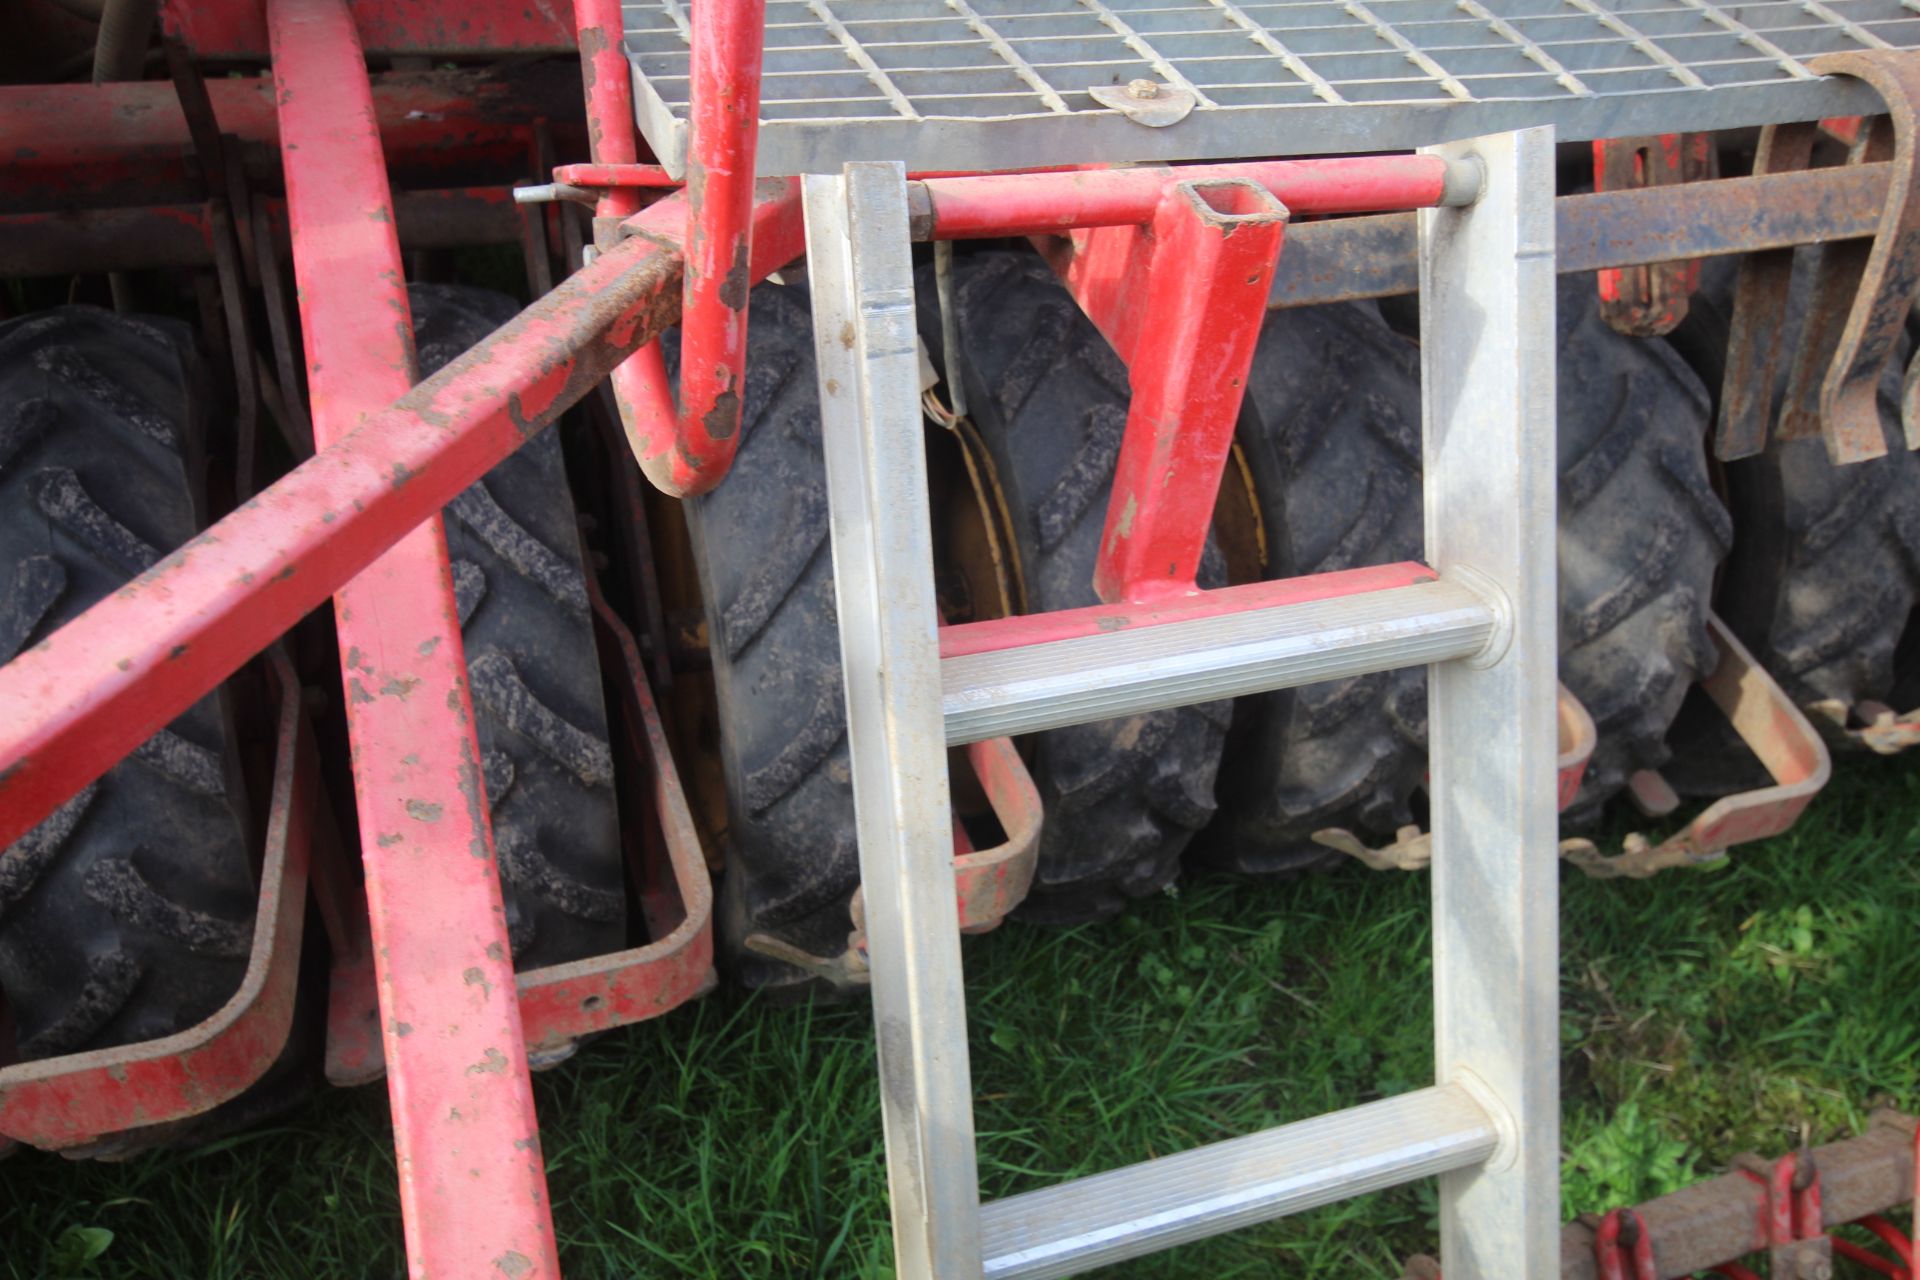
(126, 28)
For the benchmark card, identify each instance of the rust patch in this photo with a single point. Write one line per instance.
(424, 811)
(357, 692)
(723, 419)
(388, 840)
(399, 687)
(496, 952)
(513, 1264)
(738, 280)
(476, 977)
(426, 647)
(495, 1064)
(402, 1030)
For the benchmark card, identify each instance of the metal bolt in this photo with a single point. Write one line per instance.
(1144, 89)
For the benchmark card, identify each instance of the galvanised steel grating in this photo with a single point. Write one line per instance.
(1002, 84)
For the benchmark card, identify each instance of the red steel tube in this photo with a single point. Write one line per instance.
(1050, 203)
(1181, 301)
(473, 1191)
(608, 87)
(685, 450)
(607, 174)
(100, 686)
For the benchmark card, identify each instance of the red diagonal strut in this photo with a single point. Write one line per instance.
(473, 1189)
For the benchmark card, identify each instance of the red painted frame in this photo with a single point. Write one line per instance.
(464, 1129)
(1183, 254)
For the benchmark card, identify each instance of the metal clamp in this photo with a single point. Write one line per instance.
(988, 883)
(1623, 1247)
(1651, 299)
(1773, 729)
(1798, 1247)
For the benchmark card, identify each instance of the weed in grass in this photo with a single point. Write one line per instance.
(1704, 1013)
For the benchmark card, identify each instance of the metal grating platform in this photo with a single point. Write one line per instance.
(1000, 84)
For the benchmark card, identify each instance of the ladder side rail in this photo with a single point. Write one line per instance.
(1488, 348)
(860, 267)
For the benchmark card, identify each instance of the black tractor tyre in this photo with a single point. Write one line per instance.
(1642, 535)
(760, 543)
(1330, 429)
(1825, 570)
(539, 708)
(1124, 797)
(128, 914)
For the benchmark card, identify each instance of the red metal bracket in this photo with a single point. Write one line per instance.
(1649, 300)
(1181, 300)
(76, 1100)
(235, 29)
(1797, 1244)
(988, 883)
(1773, 729)
(1623, 1247)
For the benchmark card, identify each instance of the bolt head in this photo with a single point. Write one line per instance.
(1144, 89)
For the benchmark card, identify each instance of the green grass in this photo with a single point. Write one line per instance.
(1705, 1013)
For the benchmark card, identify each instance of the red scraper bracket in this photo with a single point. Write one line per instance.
(1649, 300)
(564, 1003)
(78, 1100)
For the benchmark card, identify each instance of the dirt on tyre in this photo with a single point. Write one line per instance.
(1048, 397)
(1330, 427)
(128, 914)
(539, 708)
(766, 580)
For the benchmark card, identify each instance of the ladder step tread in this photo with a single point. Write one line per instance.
(1032, 687)
(1144, 1208)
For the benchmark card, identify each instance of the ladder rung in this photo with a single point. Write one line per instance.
(1091, 1222)
(1062, 682)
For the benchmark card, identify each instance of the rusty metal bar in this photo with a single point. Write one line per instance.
(78, 241)
(80, 146)
(1373, 257)
(1716, 1221)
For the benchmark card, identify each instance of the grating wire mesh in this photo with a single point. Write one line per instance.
(948, 64)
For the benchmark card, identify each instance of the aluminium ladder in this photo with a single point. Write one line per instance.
(1489, 1127)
